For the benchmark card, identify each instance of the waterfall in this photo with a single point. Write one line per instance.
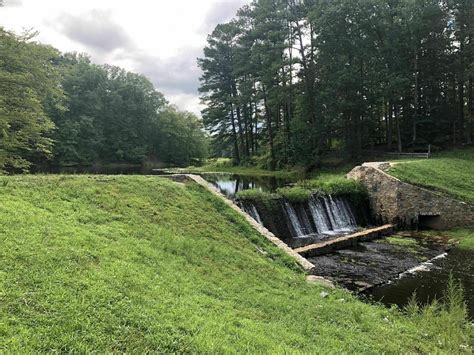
(304, 220)
(320, 217)
(332, 215)
(315, 218)
(251, 210)
(329, 209)
(339, 213)
(290, 212)
(348, 212)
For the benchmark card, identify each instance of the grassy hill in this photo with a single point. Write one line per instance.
(136, 264)
(451, 172)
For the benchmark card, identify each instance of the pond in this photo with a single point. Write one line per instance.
(230, 184)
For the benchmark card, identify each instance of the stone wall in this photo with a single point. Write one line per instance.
(408, 206)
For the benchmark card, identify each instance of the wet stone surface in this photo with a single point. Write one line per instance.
(373, 263)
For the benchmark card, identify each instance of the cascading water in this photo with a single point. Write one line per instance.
(251, 210)
(348, 212)
(329, 215)
(320, 216)
(345, 216)
(311, 220)
(295, 224)
(339, 214)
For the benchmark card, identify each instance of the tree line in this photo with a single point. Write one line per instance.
(60, 109)
(288, 81)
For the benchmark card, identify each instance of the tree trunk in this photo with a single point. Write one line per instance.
(461, 93)
(234, 137)
(270, 132)
(239, 120)
(416, 99)
(397, 122)
(388, 120)
(469, 127)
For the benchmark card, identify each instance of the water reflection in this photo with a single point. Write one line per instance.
(230, 184)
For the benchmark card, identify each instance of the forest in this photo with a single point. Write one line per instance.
(59, 109)
(289, 82)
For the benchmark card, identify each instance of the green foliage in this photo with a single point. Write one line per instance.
(400, 240)
(255, 195)
(101, 114)
(450, 172)
(28, 82)
(325, 184)
(226, 165)
(117, 116)
(291, 82)
(179, 137)
(449, 314)
(140, 264)
(294, 193)
(328, 184)
(465, 237)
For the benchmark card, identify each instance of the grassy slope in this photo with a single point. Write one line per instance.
(450, 172)
(140, 263)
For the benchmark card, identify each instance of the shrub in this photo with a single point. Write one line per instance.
(255, 195)
(295, 193)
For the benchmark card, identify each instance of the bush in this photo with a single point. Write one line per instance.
(255, 195)
(302, 191)
(335, 185)
(295, 193)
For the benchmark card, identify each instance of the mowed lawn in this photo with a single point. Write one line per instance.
(451, 172)
(138, 264)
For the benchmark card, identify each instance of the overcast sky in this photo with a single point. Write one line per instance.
(158, 38)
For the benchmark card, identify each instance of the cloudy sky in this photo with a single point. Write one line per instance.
(158, 38)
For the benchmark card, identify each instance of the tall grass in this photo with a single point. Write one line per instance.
(448, 313)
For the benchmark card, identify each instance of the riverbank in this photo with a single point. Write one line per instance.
(138, 264)
(464, 238)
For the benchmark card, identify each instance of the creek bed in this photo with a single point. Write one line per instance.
(390, 270)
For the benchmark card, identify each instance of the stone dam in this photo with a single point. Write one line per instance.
(408, 206)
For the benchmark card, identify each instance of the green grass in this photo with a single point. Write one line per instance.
(140, 264)
(450, 172)
(294, 193)
(464, 237)
(256, 195)
(401, 240)
(323, 185)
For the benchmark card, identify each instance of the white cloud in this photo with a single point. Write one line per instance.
(160, 39)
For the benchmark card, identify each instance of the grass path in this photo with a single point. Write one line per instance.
(138, 264)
